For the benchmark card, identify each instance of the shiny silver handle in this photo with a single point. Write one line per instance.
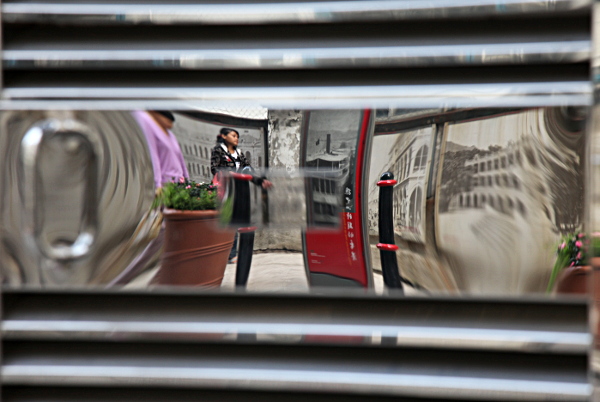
(76, 137)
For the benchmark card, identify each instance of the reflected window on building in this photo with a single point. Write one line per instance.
(415, 207)
(530, 156)
(475, 182)
(489, 165)
(518, 158)
(521, 208)
(511, 159)
(490, 181)
(500, 204)
(421, 158)
(475, 203)
(516, 183)
(482, 166)
(468, 201)
(496, 164)
(505, 180)
(491, 201)
(510, 203)
(476, 168)
(483, 199)
(497, 180)
(460, 200)
(503, 162)
(196, 149)
(547, 213)
(248, 157)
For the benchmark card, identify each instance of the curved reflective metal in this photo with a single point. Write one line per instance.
(75, 139)
(388, 56)
(482, 196)
(278, 13)
(75, 187)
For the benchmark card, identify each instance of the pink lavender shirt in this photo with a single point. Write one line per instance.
(167, 158)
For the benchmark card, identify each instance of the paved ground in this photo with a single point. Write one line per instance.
(270, 272)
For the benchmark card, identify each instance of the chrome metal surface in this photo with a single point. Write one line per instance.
(307, 97)
(76, 138)
(276, 12)
(76, 187)
(255, 362)
(287, 376)
(289, 58)
(402, 336)
(502, 199)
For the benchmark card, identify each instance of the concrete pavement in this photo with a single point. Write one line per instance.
(270, 272)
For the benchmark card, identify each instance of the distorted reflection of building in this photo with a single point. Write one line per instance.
(410, 168)
(197, 137)
(508, 180)
(508, 183)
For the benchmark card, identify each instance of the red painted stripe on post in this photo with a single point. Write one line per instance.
(387, 247)
(247, 230)
(241, 176)
(386, 183)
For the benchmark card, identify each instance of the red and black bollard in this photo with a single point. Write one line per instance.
(387, 247)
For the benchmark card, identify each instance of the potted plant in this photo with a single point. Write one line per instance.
(196, 248)
(571, 269)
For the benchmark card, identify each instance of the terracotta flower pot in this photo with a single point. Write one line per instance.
(196, 249)
(573, 280)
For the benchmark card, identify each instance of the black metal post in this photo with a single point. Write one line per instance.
(241, 204)
(241, 201)
(242, 269)
(387, 245)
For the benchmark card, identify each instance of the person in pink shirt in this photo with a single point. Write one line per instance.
(167, 158)
(168, 164)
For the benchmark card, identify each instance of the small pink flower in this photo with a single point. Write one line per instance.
(188, 186)
(209, 192)
(562, 246)
(182, 179)
(580, 235)
(578, 244)
(197, 184)
(572, 264)
(578, 256)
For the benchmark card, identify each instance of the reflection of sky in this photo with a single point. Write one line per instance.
(343, 125)
(506, 129)
(380, 158)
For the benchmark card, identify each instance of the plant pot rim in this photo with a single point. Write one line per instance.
(183, 214)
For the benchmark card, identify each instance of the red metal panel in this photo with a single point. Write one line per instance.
(340, 252)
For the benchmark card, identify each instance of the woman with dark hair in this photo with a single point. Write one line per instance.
(226, 156)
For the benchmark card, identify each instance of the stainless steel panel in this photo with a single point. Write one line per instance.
(305, 57)
(214, 318)
(277, 12)
(514, 94)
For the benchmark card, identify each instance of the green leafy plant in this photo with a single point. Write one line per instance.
(574, 250)
(187, 195)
